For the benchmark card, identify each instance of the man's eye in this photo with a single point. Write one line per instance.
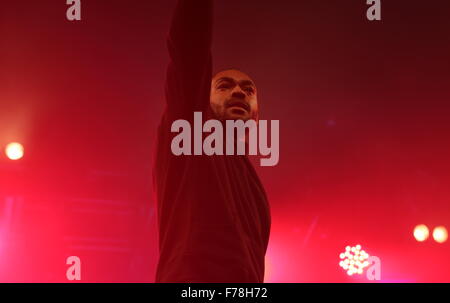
(224, 86)
(249, 90)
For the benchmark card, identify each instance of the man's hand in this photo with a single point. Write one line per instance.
(190, 69)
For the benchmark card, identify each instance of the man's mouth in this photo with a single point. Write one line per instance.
(239, 104)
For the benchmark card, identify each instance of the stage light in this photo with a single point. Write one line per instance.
(355, 260)
(14, 151)
(440, 234)
(421, 232)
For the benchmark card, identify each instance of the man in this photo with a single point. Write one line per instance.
(213, 213)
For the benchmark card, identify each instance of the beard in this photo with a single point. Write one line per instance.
(230, 112)
(232, 109)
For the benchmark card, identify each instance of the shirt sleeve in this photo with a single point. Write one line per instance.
(188, 80)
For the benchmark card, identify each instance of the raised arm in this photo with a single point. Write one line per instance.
(190, 68)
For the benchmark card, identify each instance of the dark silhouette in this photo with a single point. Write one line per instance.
(213, 213)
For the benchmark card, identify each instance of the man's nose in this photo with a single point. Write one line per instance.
(238, 94)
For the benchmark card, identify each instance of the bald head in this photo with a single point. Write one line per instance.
(233, 96)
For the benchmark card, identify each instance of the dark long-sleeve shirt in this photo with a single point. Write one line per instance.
(213, 213)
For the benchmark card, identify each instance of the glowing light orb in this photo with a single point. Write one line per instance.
(440, 234)
(421, 232)
(354, 260)
(14, 151)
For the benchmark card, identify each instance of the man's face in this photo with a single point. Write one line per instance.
(233, 96)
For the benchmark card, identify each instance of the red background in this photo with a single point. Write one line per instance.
(363, 109)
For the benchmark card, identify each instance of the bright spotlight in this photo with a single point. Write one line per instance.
(354, 260)
(440, 234)
(421, 232)
(14, 151)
